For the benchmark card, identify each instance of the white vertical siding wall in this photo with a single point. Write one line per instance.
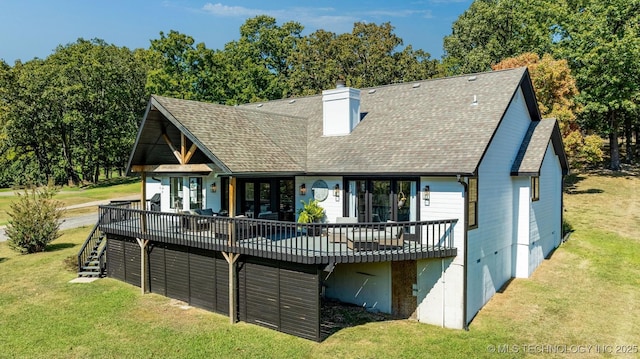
(490, 245)
(332, 206)
(153, 185)
(164, 194)
(545, 214)
(440, 281)
(212, 200)
(364, 284)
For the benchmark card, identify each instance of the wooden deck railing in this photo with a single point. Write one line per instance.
(288, 241)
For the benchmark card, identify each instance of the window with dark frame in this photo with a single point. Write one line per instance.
(472, 220)
(535, 188)
(175, 192)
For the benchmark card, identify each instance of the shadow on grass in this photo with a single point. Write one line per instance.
(59, 246)
(587, 191)
(570, 185)
(2, 259)
(571, 181)
(505, 286)
(335, 316)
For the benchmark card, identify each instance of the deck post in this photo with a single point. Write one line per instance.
(232, 209)
(231, 259)
(143, 201)
(143, 263)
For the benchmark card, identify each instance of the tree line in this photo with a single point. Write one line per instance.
(599, 40)
(72, 117)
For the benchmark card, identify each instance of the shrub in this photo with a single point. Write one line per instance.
(34, 220)
(310, 212)
(583, 151)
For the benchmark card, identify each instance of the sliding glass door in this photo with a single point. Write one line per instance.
(381, 200)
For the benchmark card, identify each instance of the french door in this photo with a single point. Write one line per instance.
(381, 200)
(260, 198)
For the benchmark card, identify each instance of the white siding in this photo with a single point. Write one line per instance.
(440, 294)
(332, 206)
(490, 245)
(212, 200)
(446, 202)
(153, 185)
(545, 216)
(364, 284)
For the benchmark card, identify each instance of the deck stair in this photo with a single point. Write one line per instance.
(91, 257)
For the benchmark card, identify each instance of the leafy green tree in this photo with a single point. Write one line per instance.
(315, 64)
(34, 220)
(180, 68)
(72, 112)
(368, 56)
(258, 63)
(102, 89)
(493, 30)
(28, 122)
(601, 41)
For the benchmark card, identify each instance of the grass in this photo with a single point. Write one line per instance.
(585, 294)
(77, 195)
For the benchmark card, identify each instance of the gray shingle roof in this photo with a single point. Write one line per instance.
(430, 129)
(243, 140)
(418, 128)
(534, 146)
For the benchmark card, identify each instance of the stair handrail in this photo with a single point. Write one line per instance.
(101, 255)
(82, 255)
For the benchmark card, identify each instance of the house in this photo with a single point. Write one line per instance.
(435, 192)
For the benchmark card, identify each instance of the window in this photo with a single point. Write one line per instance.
(472, 220)
(535, 188)
(175, 192)
(195, 192)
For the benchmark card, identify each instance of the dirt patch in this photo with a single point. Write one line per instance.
(336, 315)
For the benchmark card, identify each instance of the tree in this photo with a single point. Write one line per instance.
(34, 220)
(258, 63)
(315, 64)
(101, 89)
(493, 30)
(72, 112)
(368, 56)
(556, 90)
(601, 41)
(178, 68)
(28, 121)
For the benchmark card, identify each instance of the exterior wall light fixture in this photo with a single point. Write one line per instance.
(426, 196)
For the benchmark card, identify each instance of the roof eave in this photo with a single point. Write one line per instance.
(135, 144)
(169, 116)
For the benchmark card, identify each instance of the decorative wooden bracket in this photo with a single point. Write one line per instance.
(183, 156)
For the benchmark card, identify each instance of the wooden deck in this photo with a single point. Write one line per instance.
(287, 241)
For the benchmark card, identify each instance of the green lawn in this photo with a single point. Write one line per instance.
(76, 195)
(587, 293)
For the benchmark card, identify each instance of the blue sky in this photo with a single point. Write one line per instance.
(30, 28)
